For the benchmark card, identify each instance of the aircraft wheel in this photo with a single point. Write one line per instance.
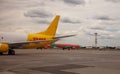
(11, 52)
(68, 48)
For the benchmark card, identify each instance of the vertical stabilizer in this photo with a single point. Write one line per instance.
(51, 30)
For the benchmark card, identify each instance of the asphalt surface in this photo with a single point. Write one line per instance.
(56, 61)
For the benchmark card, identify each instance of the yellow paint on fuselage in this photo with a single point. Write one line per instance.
(35, 37)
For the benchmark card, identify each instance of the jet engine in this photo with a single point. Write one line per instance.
(4, 47)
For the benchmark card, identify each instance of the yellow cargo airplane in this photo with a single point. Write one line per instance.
(10, 41)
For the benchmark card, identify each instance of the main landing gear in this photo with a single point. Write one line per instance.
(11, 52)
(1, 53)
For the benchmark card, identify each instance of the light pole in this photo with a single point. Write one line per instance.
(96, 40)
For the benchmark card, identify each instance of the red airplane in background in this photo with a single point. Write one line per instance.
(63, 46)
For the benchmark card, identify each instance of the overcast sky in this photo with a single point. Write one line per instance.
(81, 17)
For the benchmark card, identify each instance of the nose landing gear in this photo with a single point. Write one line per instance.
(11, 52)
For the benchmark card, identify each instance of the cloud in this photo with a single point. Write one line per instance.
(101, 27)
(105, 29)
(42, 21)
(104, 32)
(103, 35)
(97, 28)
(68, 20)
(38, 13)
(104, 18)
(115, 22)
(106, 37)
(74, 2)
(99, 16)
(114, 1)
(89, 34)
(39, 16)
(112, 30)
(19, 4)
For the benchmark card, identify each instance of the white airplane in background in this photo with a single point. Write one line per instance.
(10, 41)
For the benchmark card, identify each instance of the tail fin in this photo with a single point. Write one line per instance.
(51, 30)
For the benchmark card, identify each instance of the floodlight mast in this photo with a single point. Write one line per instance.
(96, 40)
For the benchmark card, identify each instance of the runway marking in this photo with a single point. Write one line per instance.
(59, 69)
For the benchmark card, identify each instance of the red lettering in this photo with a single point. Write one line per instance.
(34, 39)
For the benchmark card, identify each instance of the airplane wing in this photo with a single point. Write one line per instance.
(58, 37)
(20, 44)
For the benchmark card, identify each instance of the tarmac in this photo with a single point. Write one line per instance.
(58, 61)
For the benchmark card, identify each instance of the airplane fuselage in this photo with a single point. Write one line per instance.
(10, 37)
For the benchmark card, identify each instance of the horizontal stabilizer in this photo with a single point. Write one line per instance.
(63, 36)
